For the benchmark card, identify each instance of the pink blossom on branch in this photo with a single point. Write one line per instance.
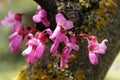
(62, 23)
(65, 56)
(16, 39)
(56, 33)
(13, 20)
(41, 16)
(95, 49)
(40, 48)
(49, 31)
(35, 47)
(30, 50)
(60, 38)
(67, 50)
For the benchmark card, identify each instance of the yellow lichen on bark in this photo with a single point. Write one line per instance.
(79, 75)
(84, 3)
(21, 74)
(102, 18)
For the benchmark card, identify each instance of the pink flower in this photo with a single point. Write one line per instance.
(35, 47)
(29, 52)
(41, 16)
(61, 21)
(56, 33)
(31, 44)
(15, 26)
(60, 38)
(31, 57)
(65, 56)
(40, 48)
(66, 52)
(39, 8)
(16, 39)
(95, 49)
(72, 43)
(72, 39)
(49, 31)
(12, 19)
(93, 58)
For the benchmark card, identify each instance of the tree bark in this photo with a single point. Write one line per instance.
(79, 68)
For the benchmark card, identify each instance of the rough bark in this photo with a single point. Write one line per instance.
(81, 64)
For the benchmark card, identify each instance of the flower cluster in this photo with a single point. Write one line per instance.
(36, 40)
(95, 49)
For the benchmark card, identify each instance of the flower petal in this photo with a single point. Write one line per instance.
(12, 36)
(54, 47)
(6, 22)
(39, 51)
(100, 48)
(36, 18)
(45, 22)
(60, 19)
(69, 25)
(56, 33)
(49, 31)
(42, 13)
(73, 46)
(63, 62)
(93, 58)
(39, 8)
(27, 51)
(31, 58)
(32, 41)
(11, 15)
(15, 44)
(62, 38)
(15, 26)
